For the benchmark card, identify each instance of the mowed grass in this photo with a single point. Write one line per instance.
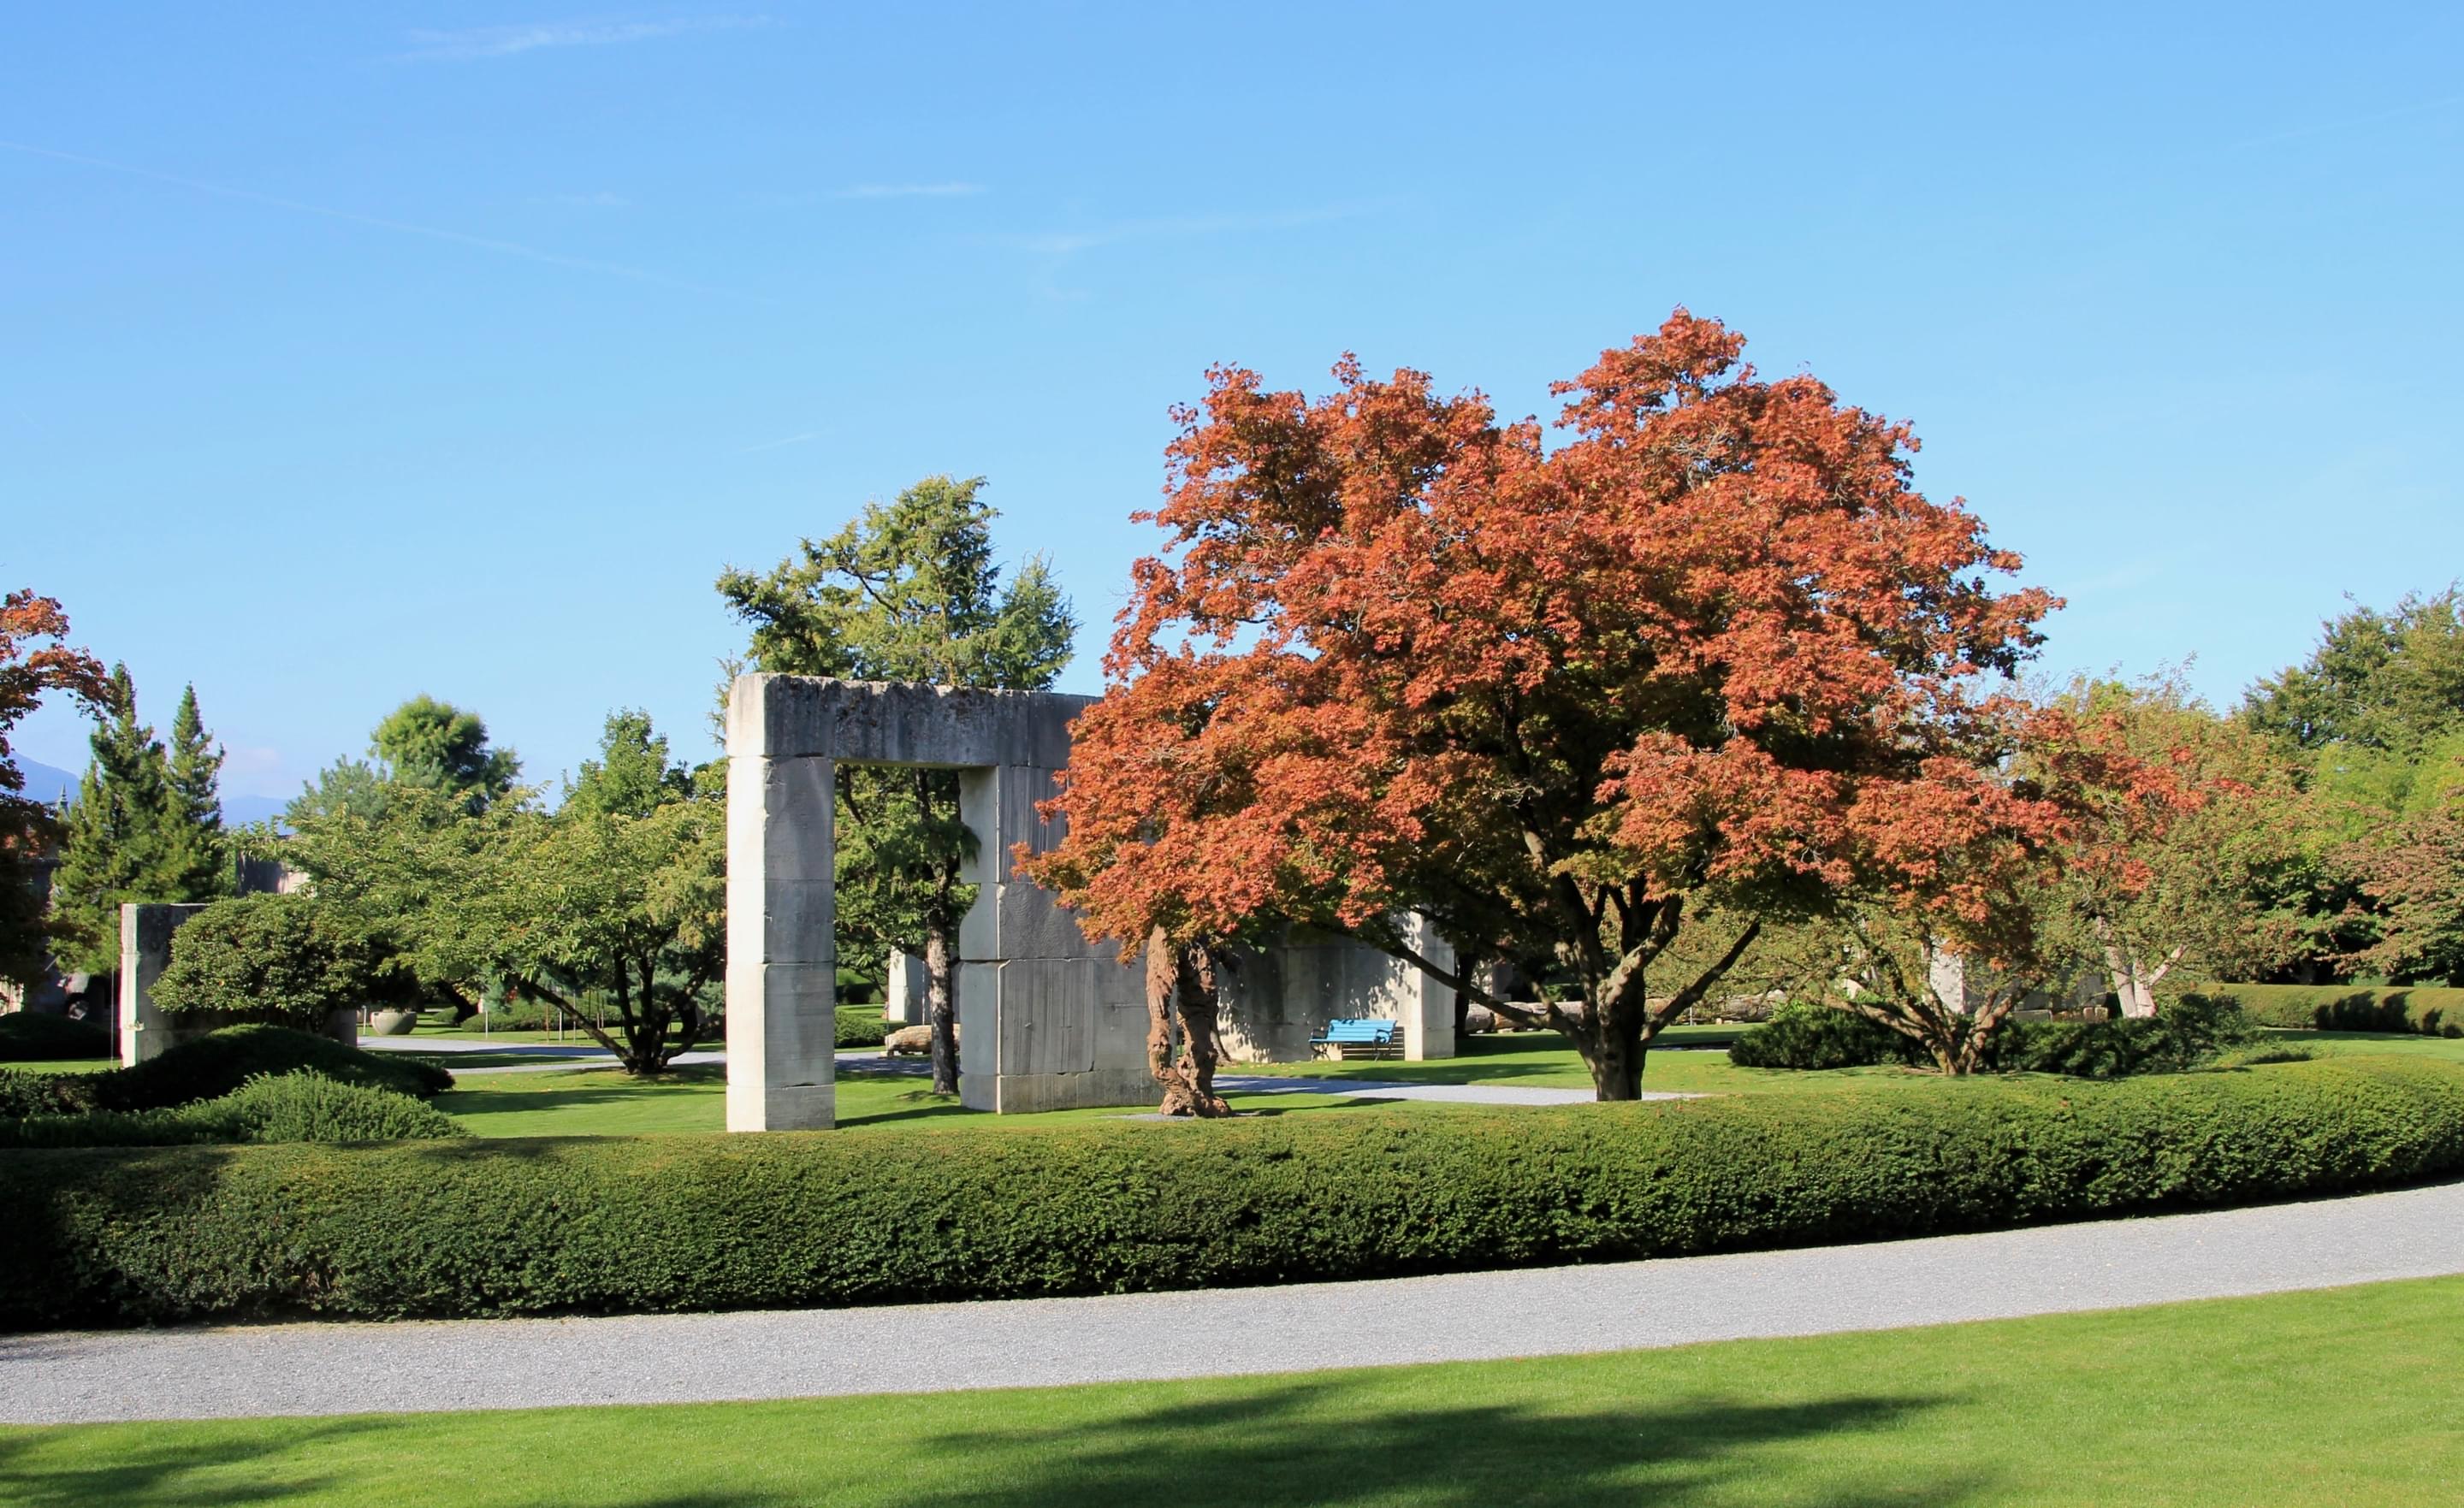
(693, 1098)
(2345, 1397)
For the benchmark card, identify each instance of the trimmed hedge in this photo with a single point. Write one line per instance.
(285, 1107)
(213, 1065)
(27, 1036)
(1808, 1035)
(861, 1026)
(715, 1222)
(2424, 1009)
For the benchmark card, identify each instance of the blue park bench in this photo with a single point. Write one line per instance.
(1372, 1037)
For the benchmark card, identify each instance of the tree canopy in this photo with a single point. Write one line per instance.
(1713, 650)
(36, 660)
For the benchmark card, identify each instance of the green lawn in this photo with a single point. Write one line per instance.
(65, 1066)
(607, 1102)
(2344, 1397)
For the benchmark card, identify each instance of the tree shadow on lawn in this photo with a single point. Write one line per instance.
(162, 1474)
(1307, 1443)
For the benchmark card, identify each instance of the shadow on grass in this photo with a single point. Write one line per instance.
(1310, 1442)
(173, 1474)
(1337, 1440)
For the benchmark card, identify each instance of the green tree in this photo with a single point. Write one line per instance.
(908, 592)
(425, 742)
(197, 853)
(117, 847)
(613, 907)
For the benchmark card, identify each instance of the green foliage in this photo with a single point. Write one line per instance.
(1807, 1034)
(196, 857)
(2419, 1009)
(614, 906)
(348, 789)
(292, 960)
(26, 1037)
(286, 1107)
(861, 1026)
(438, 746)
(184, 1234)
(131, 834)
(2387, 681)
(218, 1063)
(2191, 1033)
(23, 1094)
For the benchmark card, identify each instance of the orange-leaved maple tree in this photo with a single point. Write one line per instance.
(34, 659)
(1710, 653)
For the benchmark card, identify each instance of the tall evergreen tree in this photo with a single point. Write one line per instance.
(197, 861)
(116, 848)
(910, 592)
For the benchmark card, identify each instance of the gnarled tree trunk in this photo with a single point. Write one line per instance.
(1185, 974)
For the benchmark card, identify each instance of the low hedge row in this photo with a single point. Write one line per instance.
(861, 1026)
(2426, 1010)
(718, 1222)
(273, 1107)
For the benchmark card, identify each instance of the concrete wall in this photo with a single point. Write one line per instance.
(1047, 1019)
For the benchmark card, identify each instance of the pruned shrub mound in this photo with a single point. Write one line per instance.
(861, 1026)
(289, 960)
(478, 1227)
(2424, 1010)
(275, 1107)
(26, 1037)
(1803, 1034)
(215, 1064)
(2190, 1033)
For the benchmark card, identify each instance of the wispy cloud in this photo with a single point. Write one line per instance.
(773, 445)
(528, 253)
(1068, 243)
(506, 41)
(910, 191)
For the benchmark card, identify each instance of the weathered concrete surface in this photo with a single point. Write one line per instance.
(1047, 1020)
(144, 952)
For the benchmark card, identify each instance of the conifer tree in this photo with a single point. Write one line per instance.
(197, 858)
(115, 849)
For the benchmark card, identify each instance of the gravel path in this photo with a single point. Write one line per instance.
(514, 1363)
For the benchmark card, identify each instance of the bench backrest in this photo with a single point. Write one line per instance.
(1366, 1028)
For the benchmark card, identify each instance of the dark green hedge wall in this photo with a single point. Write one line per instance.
(691, 1222)
(2423, 1009)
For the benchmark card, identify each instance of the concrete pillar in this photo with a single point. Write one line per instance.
(781, 981)
(144, 952)
(902, 990)
(1426, 1007)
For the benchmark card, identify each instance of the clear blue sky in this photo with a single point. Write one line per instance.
(349, 352)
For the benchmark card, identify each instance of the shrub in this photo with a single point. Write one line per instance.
(285, 1107)
(2190, 1033)
(2419, 1009)
(1803, 1034)
(26, 1037)
(213, 1065)
(288, 959)
(861, 1026)
(715, 1222)
(41, 1094)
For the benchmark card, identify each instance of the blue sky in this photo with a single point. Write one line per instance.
(350, 352)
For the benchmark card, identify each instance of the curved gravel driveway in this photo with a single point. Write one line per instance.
(521, 1364)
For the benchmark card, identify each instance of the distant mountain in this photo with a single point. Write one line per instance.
(49, 783)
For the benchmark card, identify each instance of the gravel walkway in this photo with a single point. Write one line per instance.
(516, 1364)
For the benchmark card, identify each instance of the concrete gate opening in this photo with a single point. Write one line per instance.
(1047, 1019)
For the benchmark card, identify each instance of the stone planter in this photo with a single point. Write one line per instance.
(395, 1023)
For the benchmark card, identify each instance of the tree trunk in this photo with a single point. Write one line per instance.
(940, 1006)
(1186, 973)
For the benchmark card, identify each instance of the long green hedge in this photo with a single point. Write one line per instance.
(696, 1223)
(2426, 1009)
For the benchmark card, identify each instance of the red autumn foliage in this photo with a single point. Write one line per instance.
(1713, 650)
(29, 668)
